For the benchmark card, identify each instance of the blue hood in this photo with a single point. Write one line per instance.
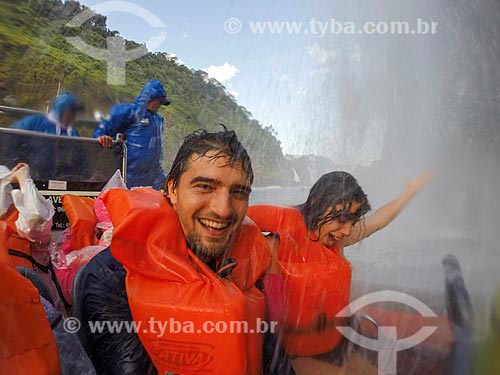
(64, 102)
(152, 90)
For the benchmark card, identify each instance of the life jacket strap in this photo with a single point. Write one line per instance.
(44, 269)
(20, 254)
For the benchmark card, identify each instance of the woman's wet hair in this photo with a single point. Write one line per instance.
(331, 190)
(224, 143)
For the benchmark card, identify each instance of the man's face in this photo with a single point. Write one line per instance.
(211, 201)
(68, 117)
(154, 105)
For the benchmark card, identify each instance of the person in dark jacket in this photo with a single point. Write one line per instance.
(208, 187)
(143, 127)
(58, 121)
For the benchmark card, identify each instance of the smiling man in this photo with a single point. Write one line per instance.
(210, 192)
(193, 257)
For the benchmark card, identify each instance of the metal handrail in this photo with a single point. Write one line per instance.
(41, 135)
(21, 111)
(5, 110)
(119, 141)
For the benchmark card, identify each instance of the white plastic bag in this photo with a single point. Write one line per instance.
(59, 248)
(35, 213)
(106, 231)
(104, 226)
(80, 257)
(116, 181)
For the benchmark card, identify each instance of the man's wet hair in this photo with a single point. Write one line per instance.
(224, 143)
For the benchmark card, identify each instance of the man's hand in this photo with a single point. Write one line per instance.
(105, 141)
(20, 173)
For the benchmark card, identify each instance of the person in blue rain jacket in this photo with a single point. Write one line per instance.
(47, 157)
(58, 121)
(142, 126)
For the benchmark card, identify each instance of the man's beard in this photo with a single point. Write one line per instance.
(206, 252)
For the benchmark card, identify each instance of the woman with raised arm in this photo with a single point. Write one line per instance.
(309, 279)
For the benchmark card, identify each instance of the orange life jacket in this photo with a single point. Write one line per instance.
(14, 242)
(28, 345)
(316, 283)
(167, 282)
(81, 216)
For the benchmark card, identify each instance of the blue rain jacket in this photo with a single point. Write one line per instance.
(51, 123)
(143, 130)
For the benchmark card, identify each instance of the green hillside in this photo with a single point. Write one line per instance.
(36, 59)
